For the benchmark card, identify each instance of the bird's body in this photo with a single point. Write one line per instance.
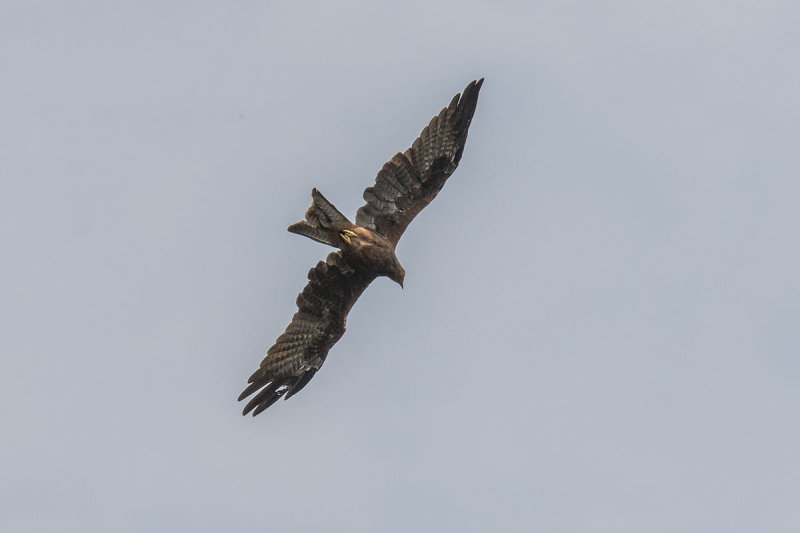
(403, 187)
(372, 251)
(365, 248)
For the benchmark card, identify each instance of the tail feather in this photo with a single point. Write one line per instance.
(322, 211)
(320, 220)
(318, 234)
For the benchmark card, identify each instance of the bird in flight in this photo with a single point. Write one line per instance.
(404, 186)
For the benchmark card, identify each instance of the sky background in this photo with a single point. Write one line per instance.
(600, 328)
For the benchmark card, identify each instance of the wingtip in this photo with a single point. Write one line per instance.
(469, 96)
(252, 404)
(250, 389)
(260, 409)
(474, 85)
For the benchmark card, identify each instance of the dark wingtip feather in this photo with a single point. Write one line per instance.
(249, 407)
(301, 382)
(466, 110)
(267, 403)
(249, 390)
(469, 98)
(262, 397)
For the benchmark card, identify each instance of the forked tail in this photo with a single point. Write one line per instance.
(322, 221)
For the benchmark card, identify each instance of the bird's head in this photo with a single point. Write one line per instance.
(397, 273)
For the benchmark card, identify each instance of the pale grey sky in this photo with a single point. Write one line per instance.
(600, 326)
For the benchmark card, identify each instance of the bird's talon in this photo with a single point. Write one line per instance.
(345, 234)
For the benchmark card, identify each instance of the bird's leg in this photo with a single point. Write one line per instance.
(345, 234)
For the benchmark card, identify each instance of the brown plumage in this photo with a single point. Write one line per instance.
(403, 187)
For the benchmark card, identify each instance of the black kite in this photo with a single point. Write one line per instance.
(403, 187)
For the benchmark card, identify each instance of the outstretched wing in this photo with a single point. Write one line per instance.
(333, 287)
(410, 180)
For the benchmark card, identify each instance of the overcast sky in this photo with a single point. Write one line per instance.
(600, 326)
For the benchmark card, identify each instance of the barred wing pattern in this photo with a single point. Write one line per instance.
(332, 289)
(411, 180)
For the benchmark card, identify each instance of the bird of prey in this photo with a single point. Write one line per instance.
(366, 249)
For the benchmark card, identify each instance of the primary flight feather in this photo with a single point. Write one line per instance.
(404, 186)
